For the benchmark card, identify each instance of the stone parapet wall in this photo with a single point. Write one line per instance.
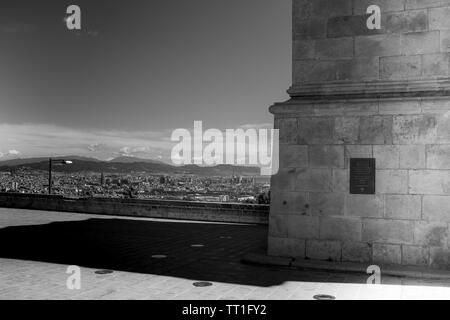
(183, 210)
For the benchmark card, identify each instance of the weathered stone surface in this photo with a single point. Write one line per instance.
(327, 204)
(326, 157)
(286, 247)
(387, 254)
(288, 130)
(412, 156)
(436, 208)
(376, 130)
(418, 129)
(430, 182)
(400, 67)
(341, 180)
(303, 49)
(388, 231)
(405, 21)
(378, 45)
(420, 43)
(323, 250)
(360, 6)
(439, 257)
(434, 65)
(346, 130)
(439, 18)
(392, 181)
(356, 251)
(438, 156)
(403, 207)
(284, 180)
(293, 156)
(433, 234)
(400, 107)
(415, 255)
(387, 156)
(332, 228)
(349, 26)
(314, 28)
(316, 130)
(289, 203)
(365, 206)
(314, 180)
(277, 226)
(335, 48)
(435, 105)
(420, 4)
(302, 227)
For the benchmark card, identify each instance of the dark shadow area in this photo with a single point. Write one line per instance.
(128, 245)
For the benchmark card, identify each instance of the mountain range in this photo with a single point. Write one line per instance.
(125, 164)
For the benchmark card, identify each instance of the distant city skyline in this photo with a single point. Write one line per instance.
(136, 71)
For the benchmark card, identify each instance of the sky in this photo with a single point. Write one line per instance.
(136, 71)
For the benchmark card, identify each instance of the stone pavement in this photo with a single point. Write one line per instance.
(38, 246)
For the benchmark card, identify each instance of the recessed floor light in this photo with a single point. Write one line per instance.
(202, 284)
(104, 271)
(324, 297)
(197, 245)
(159, 256)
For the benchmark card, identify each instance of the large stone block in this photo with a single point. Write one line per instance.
(323, 250)
(436, 208)
(360, 6)
(387, 156)
(356, 251)
(288, 128)
(340, 229)
(392, 181)
(303, 49)
(293, 156)
(375, 130)
(439, 18)
(430, 182)
(440, 257)
(415, 255)
(400, 67)
(431, 233)
(316, 130)
(412, 156)
(405, 207)
(302, 227)
(365, 206)
(349, 26)
(346, 130)
(277, 226)
(397, 107)
(314, 180)
(438, 156)
(327, 204)
(417, 129)
(420, 4)
(326, 157)
(289, 203)
(387, 254)
(405, 21)
(313, 28)
(284, 180)
(388, 231)
(436, 65)
(341, 180)
(286, 247)
(420, 43)
(378, 45)
(335, 48)
(357, 151)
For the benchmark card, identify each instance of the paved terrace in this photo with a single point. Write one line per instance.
(38, 246)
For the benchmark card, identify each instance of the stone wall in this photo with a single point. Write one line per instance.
(360, 93)
(183, 210)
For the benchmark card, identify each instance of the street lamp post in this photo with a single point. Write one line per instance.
(50, 163)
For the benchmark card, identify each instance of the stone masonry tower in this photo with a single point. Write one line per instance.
(369, 108)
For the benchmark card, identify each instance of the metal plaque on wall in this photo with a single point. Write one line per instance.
(362, 176)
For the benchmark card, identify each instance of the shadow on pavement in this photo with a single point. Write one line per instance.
(197, 251)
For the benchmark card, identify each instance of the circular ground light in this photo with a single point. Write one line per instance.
(202, 284)
(104, 271)
(197, 245)
(159, 256)
(324, 297)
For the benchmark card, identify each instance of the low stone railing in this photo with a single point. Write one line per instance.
(182, 210)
